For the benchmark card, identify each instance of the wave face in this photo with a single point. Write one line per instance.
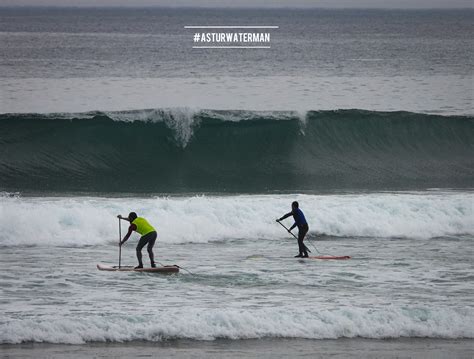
(180, 150)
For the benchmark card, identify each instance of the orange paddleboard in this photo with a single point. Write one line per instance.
(330, 257)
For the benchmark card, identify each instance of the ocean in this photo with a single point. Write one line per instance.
(365, 117)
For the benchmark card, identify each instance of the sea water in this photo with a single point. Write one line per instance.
(107, 111)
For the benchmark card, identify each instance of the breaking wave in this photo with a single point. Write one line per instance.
(181, 150)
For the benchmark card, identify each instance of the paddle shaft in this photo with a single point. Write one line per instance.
(281, 224)
(120, 240)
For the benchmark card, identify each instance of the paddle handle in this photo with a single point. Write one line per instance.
(120, 240)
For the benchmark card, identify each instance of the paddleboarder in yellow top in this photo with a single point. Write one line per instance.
(148, 236)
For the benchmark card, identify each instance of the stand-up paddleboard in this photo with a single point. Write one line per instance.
(164, 269)
(330, 257)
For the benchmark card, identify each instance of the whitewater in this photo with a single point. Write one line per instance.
(86, 221)
(410, 274)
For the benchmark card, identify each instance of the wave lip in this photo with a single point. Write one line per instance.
(185, 150)
(197, 324)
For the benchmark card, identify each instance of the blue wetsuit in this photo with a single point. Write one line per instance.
(299, 218)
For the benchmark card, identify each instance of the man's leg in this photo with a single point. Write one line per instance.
(300, 242)
(151, 243)
(301, 234)
(141, 243)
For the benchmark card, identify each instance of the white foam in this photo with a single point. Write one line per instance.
(208, 324)
(89, 221)
(180, 119)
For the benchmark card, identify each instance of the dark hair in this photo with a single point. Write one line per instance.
(132, 216)
(295, 204)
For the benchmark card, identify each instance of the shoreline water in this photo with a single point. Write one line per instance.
(251, 348)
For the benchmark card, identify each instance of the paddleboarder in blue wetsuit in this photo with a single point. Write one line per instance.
(303, 228)
(148, 236)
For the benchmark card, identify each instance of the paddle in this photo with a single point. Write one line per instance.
(281, 224)
(120, 240)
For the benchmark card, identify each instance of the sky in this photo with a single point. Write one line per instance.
(408, 4)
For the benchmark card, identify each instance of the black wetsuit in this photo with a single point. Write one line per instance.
(149, 239)
(302, 231)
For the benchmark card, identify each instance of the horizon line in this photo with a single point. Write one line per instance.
(228, 7)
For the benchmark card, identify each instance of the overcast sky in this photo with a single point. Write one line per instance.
(408, 4)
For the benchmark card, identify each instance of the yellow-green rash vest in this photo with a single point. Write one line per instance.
(143, 227)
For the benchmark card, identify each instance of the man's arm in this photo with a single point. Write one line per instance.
(129, 233)
(124, 218)
(285, 216)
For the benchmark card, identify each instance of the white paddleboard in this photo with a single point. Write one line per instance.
(164, 269)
